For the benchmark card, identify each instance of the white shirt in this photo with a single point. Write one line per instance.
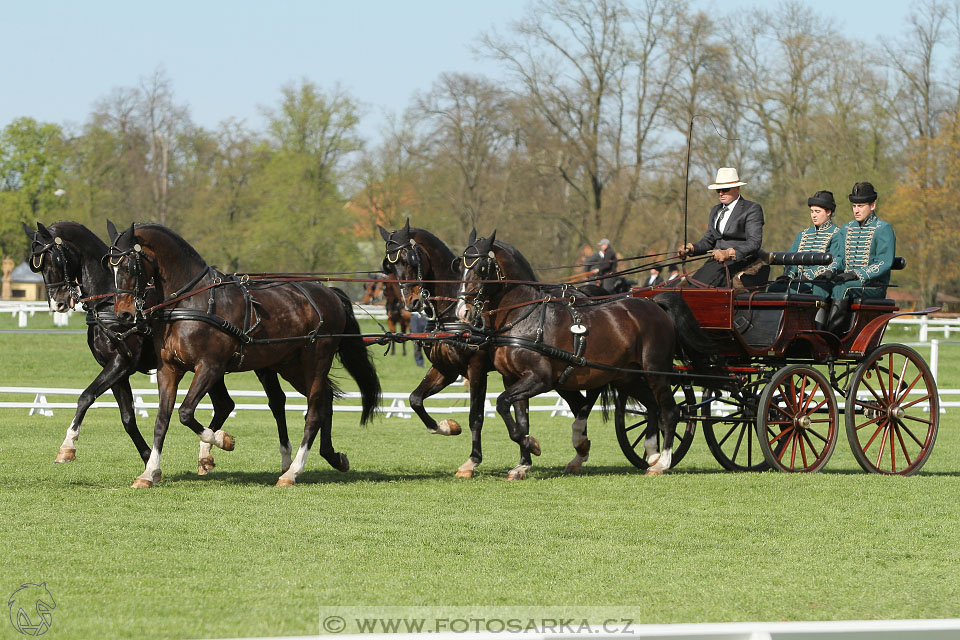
(726, 216)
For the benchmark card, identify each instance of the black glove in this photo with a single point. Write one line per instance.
(827, 275)
(846, 276)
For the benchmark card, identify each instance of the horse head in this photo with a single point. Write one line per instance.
(480, 276)
(133, 268)
(410, 264)
(60, 265)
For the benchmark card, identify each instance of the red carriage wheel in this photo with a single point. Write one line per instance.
(630, 436)
(797, 420)
(893, 411)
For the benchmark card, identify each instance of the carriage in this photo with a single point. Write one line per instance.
(775, 401)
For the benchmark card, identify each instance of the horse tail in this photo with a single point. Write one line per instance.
(695, 345)
(356, 359)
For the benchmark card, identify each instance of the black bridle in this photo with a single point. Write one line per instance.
(115, 257)
(411, 256)
(489, 272)
(55, 252)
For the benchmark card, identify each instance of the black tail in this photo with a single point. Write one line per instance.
(696, 346)
(357, 361)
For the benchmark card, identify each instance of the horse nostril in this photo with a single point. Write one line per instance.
(125, 317)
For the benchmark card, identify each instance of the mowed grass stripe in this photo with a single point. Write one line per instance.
(230, 555)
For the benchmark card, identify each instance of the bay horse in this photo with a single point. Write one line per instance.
(398, 317)
(554, 337)
(69, 257)
(422, 265)
(294, 329)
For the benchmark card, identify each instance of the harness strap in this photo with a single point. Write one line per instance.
(316, 332)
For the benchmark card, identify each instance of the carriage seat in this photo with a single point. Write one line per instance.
(779, 296)
(758, 317)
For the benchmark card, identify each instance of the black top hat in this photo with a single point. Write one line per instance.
(863, 192)
(823, 199)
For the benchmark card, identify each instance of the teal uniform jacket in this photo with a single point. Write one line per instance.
(868, 251)
(826, 239)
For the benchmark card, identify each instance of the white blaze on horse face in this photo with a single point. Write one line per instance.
(461, 300)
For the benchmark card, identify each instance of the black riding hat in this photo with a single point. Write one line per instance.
(822, 199)
(862, 193)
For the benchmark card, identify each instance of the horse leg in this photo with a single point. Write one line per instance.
(114, 371)
(478, 394)
(128, 416)
(529, 385)
(404, 328)
(433, 382)
(669, 414)
(319, 419)
(204, 379)
(581, 407)
(645, 396)
(277, 400)
(223, 405)
(167, 380)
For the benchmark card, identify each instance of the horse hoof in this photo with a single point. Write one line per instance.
(653, 472)
(205, 465)
(573, 468)
(516, 474)
(652, 460)
(228, 442)
(344, 465)
(285, 482)
(141, 483)
(464, 473)
(66, 454)
(533, 445)
(449, 428)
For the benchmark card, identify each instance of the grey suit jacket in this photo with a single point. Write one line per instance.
(743, 232)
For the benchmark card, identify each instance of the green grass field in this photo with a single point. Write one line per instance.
(231, 555)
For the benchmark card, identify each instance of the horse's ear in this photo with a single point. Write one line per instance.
(112, 232)
(133, 238)
(384, 233)
(493, 236)
(406, 227)
(27, 230)
(473, 237)
(43, 233)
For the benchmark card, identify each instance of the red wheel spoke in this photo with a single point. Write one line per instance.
(917, 401)
(903, 373)
(915, 419)
(879, 374)
(813, 449)
(875, 434)
(883, 444)
(869, 422)
(803, 453)
(783, 411)
(816, 408)
(806, 404)
(825, 440)
(780, 435)
(890, 374)
(903, 395)
(784, 450)
(880, 398)
(910, 433)
(803, 389)
(903, 447)
(893, 450)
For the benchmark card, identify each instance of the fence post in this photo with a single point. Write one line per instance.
(924, 323)
(935, 359)
(22, 319)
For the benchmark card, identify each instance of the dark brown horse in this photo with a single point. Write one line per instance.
(69, 256)
(292, 328)
(421, 262)
(556, 338)
(387, 289)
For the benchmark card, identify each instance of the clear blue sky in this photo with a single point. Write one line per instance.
(225, 58)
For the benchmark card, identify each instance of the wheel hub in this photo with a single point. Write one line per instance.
(801, 422)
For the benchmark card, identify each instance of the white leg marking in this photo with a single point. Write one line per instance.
(297, 465)
(204, 449)
(209, 437)
(73, 433)
(153, 466)
(664, 462)
(578, 432)
(650, 446)
(285, 459)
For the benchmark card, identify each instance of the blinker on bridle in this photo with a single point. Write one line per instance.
(57, 252)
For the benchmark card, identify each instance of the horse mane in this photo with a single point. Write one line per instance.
(433, 243)
(184, 246)
(520, 261)
(76, 232)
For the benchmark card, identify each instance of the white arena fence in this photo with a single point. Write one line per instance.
(25, 310)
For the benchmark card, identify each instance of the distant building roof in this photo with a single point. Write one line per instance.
(22, 273)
